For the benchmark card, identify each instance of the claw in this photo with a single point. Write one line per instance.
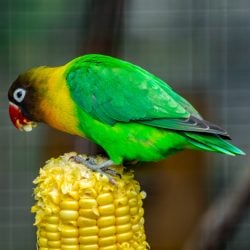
(112, 172)
(102, 168)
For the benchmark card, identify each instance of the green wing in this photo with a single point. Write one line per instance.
(112, 90)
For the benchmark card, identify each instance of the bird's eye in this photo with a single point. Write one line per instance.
(19, 94)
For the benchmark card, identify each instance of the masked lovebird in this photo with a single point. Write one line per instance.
(129, 112)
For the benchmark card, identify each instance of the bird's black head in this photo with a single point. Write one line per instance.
(23, 100)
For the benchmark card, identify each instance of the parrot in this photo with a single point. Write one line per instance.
(132, 114)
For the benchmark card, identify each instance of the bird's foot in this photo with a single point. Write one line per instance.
(102, 168)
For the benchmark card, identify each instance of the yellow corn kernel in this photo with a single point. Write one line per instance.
(53, 236)
(42, 242)
(136, 227)
(106, 221)
(123, 219)
(112, 247)
(70, 241)
(68, 215)
(89, 247)
(88, 240)
(133, 202)
(124, 237)
(107, 209)
(51, 228)
(69, 205)
(104, 198)
(68, 247)
(107, 241)
(133, 210)
(78, 209)
(83, 221)
(52, 219)
(42, 233)
(87, 203)
(88, 213)
(121, 211)
(87, 231)
(54, 244)
(69, 231)
(123, 228)
(107, 231)
(121, 201)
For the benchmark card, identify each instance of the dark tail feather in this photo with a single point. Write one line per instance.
(191, 124)
(213, 143)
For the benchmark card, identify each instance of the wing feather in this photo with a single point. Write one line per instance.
(112, 90)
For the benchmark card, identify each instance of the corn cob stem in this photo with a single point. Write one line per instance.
(77, 209)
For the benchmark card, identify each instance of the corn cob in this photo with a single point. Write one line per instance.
(77, 209)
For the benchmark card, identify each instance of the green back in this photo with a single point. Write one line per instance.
(112, 90)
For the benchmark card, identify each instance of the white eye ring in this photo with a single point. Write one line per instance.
(19, 94)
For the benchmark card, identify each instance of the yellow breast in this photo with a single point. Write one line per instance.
(59, 110)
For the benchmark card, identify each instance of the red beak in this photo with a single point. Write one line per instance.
(18, 119)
